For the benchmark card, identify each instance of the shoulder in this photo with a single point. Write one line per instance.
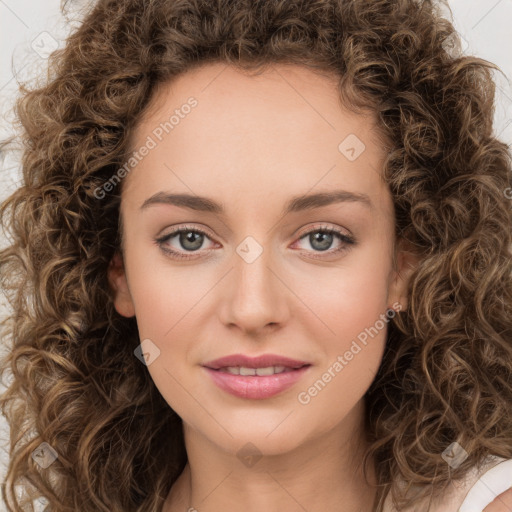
(473, 493)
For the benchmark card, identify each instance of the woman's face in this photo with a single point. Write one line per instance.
(253, 272)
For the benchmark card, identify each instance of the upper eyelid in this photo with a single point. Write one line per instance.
(322, 227)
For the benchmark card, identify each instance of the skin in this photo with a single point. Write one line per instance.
(252, 143)
(502, 503)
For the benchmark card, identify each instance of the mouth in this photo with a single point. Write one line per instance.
(256, 383)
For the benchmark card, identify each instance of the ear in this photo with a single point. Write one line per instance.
(407, 260)
(118, 282)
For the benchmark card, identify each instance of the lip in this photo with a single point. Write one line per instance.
(256, 387)
(262, 361)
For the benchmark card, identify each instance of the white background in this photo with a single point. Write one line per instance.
(483, 24)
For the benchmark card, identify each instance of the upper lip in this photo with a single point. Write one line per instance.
(263, 361)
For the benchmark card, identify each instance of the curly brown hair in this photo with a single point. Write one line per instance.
(446, 374)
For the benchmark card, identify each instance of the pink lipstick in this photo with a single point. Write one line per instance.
(256, 378)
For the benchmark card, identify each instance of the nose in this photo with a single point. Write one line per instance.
(254, 298)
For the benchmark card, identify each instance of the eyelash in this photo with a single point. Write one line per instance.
(348, 240)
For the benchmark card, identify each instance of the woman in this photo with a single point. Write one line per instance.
(268, 249)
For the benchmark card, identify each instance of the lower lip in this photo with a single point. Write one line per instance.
(256, 387)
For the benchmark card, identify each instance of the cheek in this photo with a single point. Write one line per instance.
(352, 346)
(350, 321)
(347, 299)
(163, 294)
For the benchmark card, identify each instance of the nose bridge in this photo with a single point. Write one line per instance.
(256, 299)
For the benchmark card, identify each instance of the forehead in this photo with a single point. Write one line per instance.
(292, 84)
(285, 125)
(296, 98)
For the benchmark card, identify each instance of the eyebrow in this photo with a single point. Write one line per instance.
(295, 204)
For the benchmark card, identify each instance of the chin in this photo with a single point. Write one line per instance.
(263, 439)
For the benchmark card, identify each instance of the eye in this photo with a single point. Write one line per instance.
(190, 239)
(321, 239)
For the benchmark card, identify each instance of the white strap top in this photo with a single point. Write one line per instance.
(472, 493)
(491, 484)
